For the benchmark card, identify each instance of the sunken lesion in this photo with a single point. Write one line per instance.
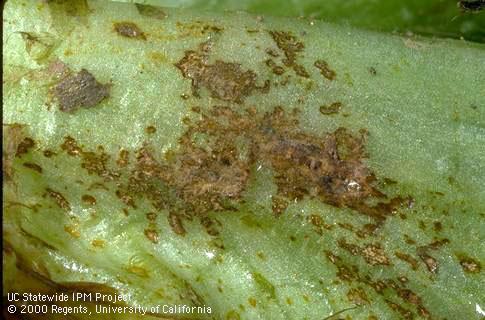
(129, 29)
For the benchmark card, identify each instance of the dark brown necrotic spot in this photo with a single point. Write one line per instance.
(291, 48)
(49, 153)
(123, 158)
(176, 224)
(224, 80)
(429, 261)
(276, 69)
(33, 166)
(325, 69)
(88, 199)
(470, 5)
(372, 253)
(331, 109)
(470, 265)
(80, 90)
(375, 255)
(59, 199)
(24, 146)
(152, 235)
(129, 30)
(150, 129)
(357, 296)
(407, 258)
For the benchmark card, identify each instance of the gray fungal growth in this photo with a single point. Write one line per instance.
(80, 90)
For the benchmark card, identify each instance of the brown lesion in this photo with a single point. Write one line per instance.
(226, 81)
(33, 166)
(152, 235)
(88, 199)
(123, 158)
(408, 259)
(469, 265)
(129, 30)
(291, 48)
(372, 253)
(358, 296)
(196, 178)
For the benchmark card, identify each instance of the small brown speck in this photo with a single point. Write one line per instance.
(272, 52)
(429, 261)
(49, 153)
(407, 258)
(129, 30)
(72, 231)
(152, 235)
(151, 216)
(59, 199)
(252, 302)
(375, 255)
(325, 69)
(437, 226)
(70, 146)
(150, 129)
(357, 296)
(90, 200)
(470, 265)
(123, 158)
(372, 71)
(331, 109)
(33, 166)
(98, 243)
(24, 146)
(176, 224)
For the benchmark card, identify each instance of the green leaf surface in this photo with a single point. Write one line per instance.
(439, 18)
